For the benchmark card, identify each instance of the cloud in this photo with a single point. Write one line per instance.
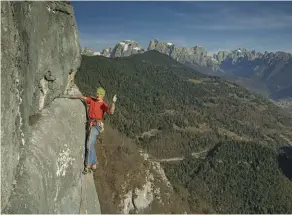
(212, 25)
(216, 17)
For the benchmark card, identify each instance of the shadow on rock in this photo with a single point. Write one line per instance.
(285, 161)
(86, 127)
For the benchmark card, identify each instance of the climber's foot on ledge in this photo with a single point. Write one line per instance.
(93, 168)
(86, 170)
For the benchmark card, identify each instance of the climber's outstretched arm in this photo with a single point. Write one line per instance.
(112, 109)
(78, 97)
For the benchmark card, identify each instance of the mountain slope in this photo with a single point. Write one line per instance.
(266, 73)
(174, 111)
(248, 175)
(272, 69)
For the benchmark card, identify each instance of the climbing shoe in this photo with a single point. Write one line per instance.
(86, 170)
(93, 168)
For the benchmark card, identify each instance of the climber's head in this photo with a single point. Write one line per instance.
(100, 93)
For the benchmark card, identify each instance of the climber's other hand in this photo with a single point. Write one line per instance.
(114, 98)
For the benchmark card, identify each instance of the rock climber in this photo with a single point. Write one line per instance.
(97, 108)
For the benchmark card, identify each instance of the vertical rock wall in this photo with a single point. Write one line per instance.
(40, 51)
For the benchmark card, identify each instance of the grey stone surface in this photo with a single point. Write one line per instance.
(87, 51)
(39, 48)
(51, 180)
(123, 49)
(192, 56)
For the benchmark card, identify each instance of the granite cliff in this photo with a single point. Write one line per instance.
(42, 136)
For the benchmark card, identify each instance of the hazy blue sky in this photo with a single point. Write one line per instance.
(212, 25)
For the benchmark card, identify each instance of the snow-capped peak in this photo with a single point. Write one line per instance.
(126, 47)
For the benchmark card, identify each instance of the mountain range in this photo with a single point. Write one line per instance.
(179, 142)
(220, 147)
(268, 73)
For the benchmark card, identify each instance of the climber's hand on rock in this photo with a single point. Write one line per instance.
(64, 96)
(77, 97)
(73, 97)
(114, 98)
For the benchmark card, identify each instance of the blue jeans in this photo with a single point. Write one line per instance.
(95, 131)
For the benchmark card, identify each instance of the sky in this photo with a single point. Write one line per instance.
(260, 26)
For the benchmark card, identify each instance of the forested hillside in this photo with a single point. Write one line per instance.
(175, 112)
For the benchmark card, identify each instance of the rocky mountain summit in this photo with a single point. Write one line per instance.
(122, 49)
(89, 52)
(272, 69)
(190, 56)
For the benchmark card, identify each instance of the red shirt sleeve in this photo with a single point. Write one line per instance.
(88, 100)
(105, 108)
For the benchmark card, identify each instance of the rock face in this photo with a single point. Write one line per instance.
(155, 194)
(123, 49)
(87, 51)
(139, 199)
(50, 179)
(272, 69)
(126, 48)
(191, 56)
(40, 55)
